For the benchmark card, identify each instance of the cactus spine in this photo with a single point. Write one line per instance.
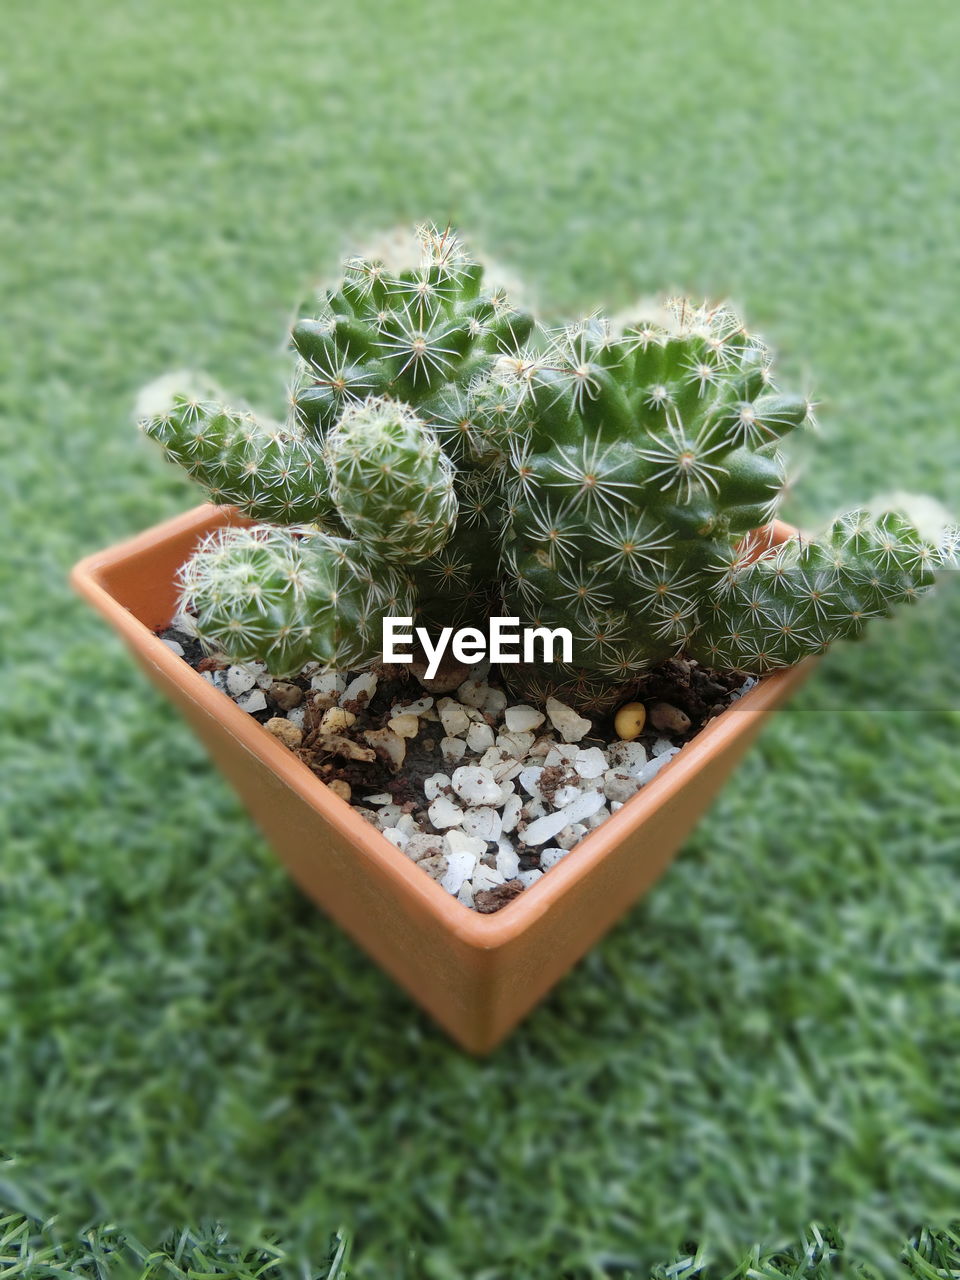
(444, 456)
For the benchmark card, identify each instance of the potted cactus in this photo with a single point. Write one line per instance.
(446, 460)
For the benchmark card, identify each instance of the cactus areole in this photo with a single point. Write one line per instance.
(448, 462)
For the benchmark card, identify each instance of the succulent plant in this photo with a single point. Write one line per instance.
(641, 461)
(444, 456)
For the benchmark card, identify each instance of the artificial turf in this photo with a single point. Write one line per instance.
(770, 1039)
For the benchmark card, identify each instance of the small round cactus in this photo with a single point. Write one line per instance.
(446, 457)
(390, 481)
(283, 596)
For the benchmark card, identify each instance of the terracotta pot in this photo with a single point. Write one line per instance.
(478, 975)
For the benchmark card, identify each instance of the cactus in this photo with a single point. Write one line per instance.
(390, 481)
(445, 457)
(639, 459)
(283, 596)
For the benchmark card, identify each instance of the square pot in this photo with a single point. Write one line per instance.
(478, 975)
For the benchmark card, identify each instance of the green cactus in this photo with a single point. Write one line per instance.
(283, 596)
(442, 454)
(264, 470)
(390, 481)
(639, 460)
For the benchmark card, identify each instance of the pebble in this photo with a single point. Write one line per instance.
(565, 720)
(574, 833)
(522, 718)
(288, 733)
(551, 824)
(460, 867)
(485, 877)
(495, 702)
(484, 822)
(239, 680)
(651, 769)
(361, 688)
(434, 866)
(487, 809)
(406, 725)
(175, 646)
(479, 737)
(444, 813)
(565, 795)
(629, 756)
(459, 842)
(465, 894)
(389, 815)
(511, 813)
(285, 695)
(591, 763)
(349, 749)
(473, 693)
(184, 622)
(529, 779)
(748, 684)
(516, 745)
(508, 861)
(475, 786)
(421, 846)
(255, 700)
(663, 715)
(418, 708)
(619, 785)
(335, 720)
(452, 749)
(453, 717)
(435, 785)
(328, 688)
(389, 743)
(629, 721)
(449, 674)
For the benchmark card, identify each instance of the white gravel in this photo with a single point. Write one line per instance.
(522, 718)
(565, 720)
(476, 786)
(551, 824)
(517, 786)
(239, 680)
(254, 700)
(444, 813)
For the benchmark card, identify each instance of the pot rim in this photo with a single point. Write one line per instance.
(89, 578)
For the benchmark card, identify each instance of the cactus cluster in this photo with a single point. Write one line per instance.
(445, 456)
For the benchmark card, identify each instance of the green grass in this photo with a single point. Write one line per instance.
(770, 1039)
(31, 1250)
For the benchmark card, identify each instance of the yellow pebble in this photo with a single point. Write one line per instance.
(629, 721)
(340, 788)
(288, 733)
